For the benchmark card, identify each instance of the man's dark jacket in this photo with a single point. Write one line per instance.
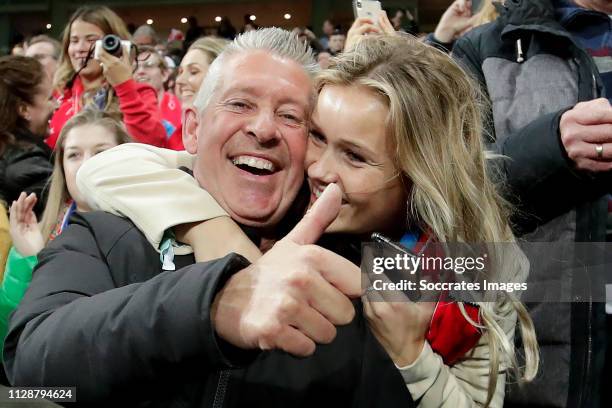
(101, 315)
(533, 71)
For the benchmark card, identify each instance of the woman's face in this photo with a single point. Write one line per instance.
(38, 113)
(81, 143)
(348, 145)
(83, 37)
(192, 72)
(149, 70)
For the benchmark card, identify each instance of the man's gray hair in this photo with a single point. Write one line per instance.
(277, 41)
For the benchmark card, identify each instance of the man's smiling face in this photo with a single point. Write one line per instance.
(251, 137)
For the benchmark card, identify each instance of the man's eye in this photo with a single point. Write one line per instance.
(239, 105)
(290, 118)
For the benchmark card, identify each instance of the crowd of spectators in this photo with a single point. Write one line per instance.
(221, 240)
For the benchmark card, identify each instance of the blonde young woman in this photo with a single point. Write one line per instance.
(194, 66)
(85, 135)
(396, 122)
(107, 83)
(191, 73)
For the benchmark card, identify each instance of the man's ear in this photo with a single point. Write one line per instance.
(190, 130)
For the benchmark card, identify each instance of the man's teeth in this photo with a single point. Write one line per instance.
(318, 193)
(254, 162)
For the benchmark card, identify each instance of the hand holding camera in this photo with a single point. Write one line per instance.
(114, 56)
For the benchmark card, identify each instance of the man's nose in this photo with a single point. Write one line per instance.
(263, 127)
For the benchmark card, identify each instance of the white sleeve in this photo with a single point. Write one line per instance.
(462, 385)
(144, 183)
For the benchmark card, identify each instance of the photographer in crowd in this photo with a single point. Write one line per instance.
(107, 83)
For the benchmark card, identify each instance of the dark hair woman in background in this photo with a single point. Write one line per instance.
(25, 107)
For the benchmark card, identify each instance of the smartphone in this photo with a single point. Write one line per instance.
(367, 9)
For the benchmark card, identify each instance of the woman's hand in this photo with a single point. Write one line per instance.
(400, 327)
(364, 26)
(115, 70)
(456, 20)
(25, 231)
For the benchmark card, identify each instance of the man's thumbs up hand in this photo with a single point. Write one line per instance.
(292, 297)
(323, 212)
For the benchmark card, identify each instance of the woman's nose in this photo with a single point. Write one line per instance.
(323, 167)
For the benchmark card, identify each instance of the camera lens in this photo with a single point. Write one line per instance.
(112, 44)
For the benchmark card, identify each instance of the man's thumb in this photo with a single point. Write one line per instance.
(323, 212)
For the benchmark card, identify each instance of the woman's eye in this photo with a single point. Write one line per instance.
(317, 137)
(72, 156)
(354, 157)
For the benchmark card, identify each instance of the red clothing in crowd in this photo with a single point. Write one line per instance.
(171, 112)
(450, 334)
(176, 140)
(137, 102)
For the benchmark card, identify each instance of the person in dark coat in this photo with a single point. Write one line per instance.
(25, 108)
(545, 66)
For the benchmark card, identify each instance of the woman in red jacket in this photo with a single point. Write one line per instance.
(82, 80)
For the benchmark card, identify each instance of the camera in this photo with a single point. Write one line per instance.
(113, 45)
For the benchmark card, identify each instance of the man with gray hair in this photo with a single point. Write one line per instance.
(104, 315)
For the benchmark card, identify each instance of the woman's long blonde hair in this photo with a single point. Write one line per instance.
(58, 192)
(100, 16)
(435, 122)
